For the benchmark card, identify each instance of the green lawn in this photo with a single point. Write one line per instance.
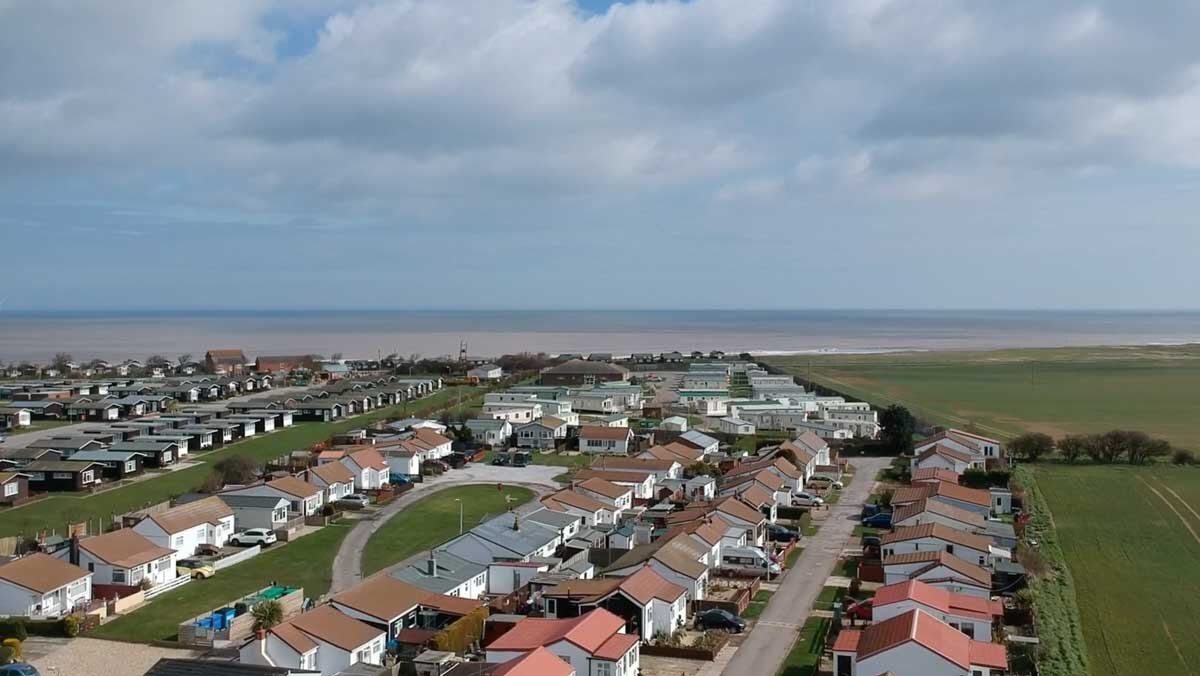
(790, 561)
(758, 604)
(1131, 539)
(39, 425)
(805, 656)
(829, 597)
(56, 512)
(307, 563)
(1004, 392)
(432, 520)
(860, 531)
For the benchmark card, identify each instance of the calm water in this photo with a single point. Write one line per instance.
(117, 335)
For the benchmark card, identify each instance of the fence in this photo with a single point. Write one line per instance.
(234, 559)
(165, 587)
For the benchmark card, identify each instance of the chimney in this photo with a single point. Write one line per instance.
(73, 553)
(432, 564)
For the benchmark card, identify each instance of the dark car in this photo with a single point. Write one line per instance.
(869, 541)
(880, 520)
(719, 618)
(500, 459)
(18, 669)
(778, 533)
(870, 509)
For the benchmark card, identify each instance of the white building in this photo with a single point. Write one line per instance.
(971, 615)
(541, 433)
(322, 640)
(486, 372)
(594, 644)
(186, 527)
(600, 439)
(303, 497)
(731, 425)
(40, 586)
(915, 642)
(126, 557)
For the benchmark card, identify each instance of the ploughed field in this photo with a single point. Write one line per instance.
(1005, 392)
(1131, 537)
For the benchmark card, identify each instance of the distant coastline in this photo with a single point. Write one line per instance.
(36, 336)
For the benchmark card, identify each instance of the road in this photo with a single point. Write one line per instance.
(347, 565)
(23, 439)
(767, 646)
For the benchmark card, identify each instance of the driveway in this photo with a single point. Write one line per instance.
(23, 439)
(347, 565)
(767, 646)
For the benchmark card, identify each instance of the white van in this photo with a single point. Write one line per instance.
(749, 560)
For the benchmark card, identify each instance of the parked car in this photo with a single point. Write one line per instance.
(860, 610)
(500, 458)
(399, 479)
(457, 460)
(781, 534)
(880, 520)
(871, 542)
(194, 568)
(870, 509)
(356, 500)
(826, 481)
(253, 536)
(719, 618)
(804, 499)
(19, 669)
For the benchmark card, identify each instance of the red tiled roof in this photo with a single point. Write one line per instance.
(646, 584)
(939, 599)
(953, 435)
(847, 641)
(329, 625)
(332, 472)
(369, 458)
(588, 631)
(941, 558)
(605, 488)
(430, 437)
(735, 507)
(984, 654)
(944, 452)
(935, 474)
(573, 499)
(537, 662)
(615, 647)
(922, 628)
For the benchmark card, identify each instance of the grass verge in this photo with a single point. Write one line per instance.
(805, 656)
(758, 604)
(829, 598)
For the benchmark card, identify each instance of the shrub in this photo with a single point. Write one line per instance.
(267, 614)
(71, 625)
(1031, 445)
(13, 627)
(7, 656)
(1183, 456)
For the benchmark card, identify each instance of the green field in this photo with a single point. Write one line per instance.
(432, 520)
(1057, 391)
(307, 563)
(56, 512)
(1131, 537)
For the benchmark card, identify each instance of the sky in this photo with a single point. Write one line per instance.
(507, 154)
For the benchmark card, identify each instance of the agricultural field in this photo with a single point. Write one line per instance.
(1131, 539)
(1004, 392)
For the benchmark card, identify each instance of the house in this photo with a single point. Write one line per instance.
(187, 527)
(600, 439)
(934, 474)
(661, 469)
(225, 362)
(965, 545)
(675, 556)
(334, 478)
(814, 444)
(930, 511)
(14, 488)
(116, 464)
(980, 449)
(619, 498)
(506, 537)
(63, 475)
(303, 498)
(650, 604)
(442, 572)
(39, 586)
(284, 363)
(538, 662)
(391, 605)
(938, 456)
(126, 557)
(699, 441)
(954, 495)
(939, 569)
(106, 409)
(170, 666)
(678, 451)
(734, 425)
(577, 503)
(155, 452)
(490, 431)
(67, 444)
(594, 644)
(370, 470)
(641, 482)
(486, 372)
(257, 511)
(915, 642)
(579, 372)
(541, 433)
(971, 615)
(709, 532)
(743, 519)
(13, 417)
(15, 458)
(322, 640)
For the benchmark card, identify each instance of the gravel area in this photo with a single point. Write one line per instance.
(110, 658)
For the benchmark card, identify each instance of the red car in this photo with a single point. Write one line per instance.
(860, 610)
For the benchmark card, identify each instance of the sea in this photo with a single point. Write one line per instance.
(37, 336)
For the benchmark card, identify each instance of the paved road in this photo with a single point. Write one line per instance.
(767, 646)
(347, 565)
(23, 439)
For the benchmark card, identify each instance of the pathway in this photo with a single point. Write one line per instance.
(767, 646)
(347, 565)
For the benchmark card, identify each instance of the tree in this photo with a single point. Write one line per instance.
(266, 614)
(157, 360)
(236, 469)
(184, 359)
(898, 428)
(1031, 446)
(1072, 446)
(61, 362)
(212, 483)
(1183, 456)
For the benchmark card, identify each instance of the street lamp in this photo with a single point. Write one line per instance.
(460, 515)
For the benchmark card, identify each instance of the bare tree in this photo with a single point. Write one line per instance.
(61, 362)
(184, 358)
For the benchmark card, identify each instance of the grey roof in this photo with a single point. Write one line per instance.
(486, 423)
(582, 367)
(104, 456)
(452, 571)
(525, 540)
(27, 453)
(73, 442)
(558, 520)
(142, 445)
(698, 438)
(33, 405)
(199, 667)
(251, 501)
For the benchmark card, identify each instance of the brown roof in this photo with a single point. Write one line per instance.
(585, 591)
(383, 597)
(646, 585)
(295, 638)
(368, 457)
(953, 436)
(6, 477)
(332, 472)
(939, 508)
(974, 496)
(631, 476)
(735, 507)
(786, 467)
(711, 531)
(430, 437)
(757, 496)
(328, 625)
(605, 488)
(207, 510)
(294, 486)
(620, 463)
(124, 548)
(938, 449)
(574, 499)
(537, 662)
(811, 441)
(937, 558)
(937, 530)
(602, 432)
(935, 474)
(41, 573)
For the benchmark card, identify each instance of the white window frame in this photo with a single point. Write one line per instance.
(11, 488)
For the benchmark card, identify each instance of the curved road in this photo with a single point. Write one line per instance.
(347, 565)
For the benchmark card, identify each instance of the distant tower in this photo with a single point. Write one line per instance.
(462, 351)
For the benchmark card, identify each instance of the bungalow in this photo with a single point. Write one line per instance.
(303, 497)
(203, 437)
(117, 464)
(734, 425)
(650, 604)
(934, 475)
(661, 469)
(185, 528)
(106, 409)
(14, 488)
(814, 444)
(322, 640)
(930, 511)
(938, 456)
(490, 431)
(42, 408)
(596, 401)
(435, 444)
(257, 511)
(67, 444)
(15, 458)
(541, 433)
(940, 569)
(678, 451)
(594, 644)
(126, 557)
(538, 662)
(321, 410)
(39, 585)
(225, 362)
(743, 519)
(63, 475)
(334, 478)
(14, 416)
(980, 449)
(915, 642)
(675, 556)
(762, 499)
(700, 441)
(642, 483)
(486, 372)
(592, 511)
(156, 452)
(967, 546)
(675, 423)
(971, 615)
(505, 538)
(709, 532)
(370, 470)
(620, 498)
(954, 495)
(442, 572)
(393, 606)
(610, 440)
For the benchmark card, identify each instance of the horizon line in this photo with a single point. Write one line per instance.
(51, 311)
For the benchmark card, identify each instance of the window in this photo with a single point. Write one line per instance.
(178, 540)
(363, 655)
(552, 606)
(11, 488)
(118, 575)
(91, 567)
(604, 669)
